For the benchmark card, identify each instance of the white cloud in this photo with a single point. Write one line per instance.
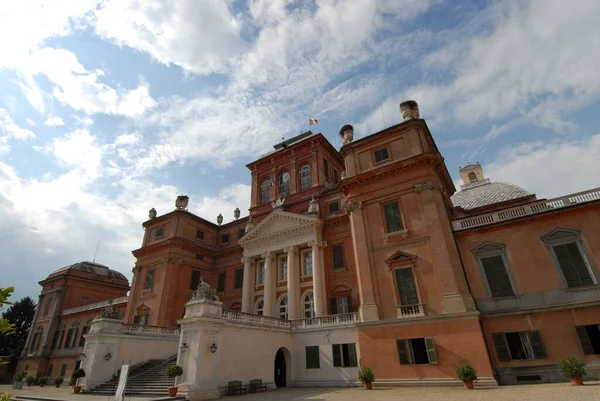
(31, 122)
(54, 121)
(10, 130)
(80, 152)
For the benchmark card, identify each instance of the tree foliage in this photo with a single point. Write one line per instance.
(20, 315)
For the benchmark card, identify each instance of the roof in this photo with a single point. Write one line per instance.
(289, 142)
(94, 268)
(484, 193)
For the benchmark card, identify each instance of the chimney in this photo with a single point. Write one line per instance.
(409, 110)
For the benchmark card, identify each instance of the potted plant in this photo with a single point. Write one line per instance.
(366, 376)
(466, 374)
(30, 381)
(58, 381)
(572, 368)
(42, 381)
(173, 372)
(77, 374)
(18, 380)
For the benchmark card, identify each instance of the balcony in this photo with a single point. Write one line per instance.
(96, 305)
(526, 210)
(325, 321)
(299, 324)
(410, 311)
(255, 320)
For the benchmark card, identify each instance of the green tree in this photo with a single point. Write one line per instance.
(20, 315)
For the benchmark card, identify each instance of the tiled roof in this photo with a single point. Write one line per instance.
(94, 268)
(486, 193)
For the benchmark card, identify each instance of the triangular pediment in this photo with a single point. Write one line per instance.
(280, 222)
(488, 246)
(560, 233)
(399, 257)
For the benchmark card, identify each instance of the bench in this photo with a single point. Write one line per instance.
(235, 387)
(257, 385)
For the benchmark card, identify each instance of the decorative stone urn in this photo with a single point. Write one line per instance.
(236, 213)
(182, 202)
(220, 219)
(409, 110)
(152, 213)
(347, 134)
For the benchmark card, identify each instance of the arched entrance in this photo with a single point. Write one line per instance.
(282, 364)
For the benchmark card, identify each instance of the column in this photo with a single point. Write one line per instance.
(293, 284)
(270, 270)
(318, 287)
(247, 290)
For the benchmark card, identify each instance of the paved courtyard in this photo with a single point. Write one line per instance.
(554, 392)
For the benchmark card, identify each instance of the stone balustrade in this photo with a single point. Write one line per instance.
(95, 305)
(323, 321)
(134, 329)
(258, 320)
(409, 311)
(298, 324)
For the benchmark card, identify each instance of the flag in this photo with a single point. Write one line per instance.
(313, 121)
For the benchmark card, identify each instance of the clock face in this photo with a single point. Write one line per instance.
(285, 177)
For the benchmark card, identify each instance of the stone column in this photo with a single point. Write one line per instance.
(293, 284)
(269, 288)
(318, 280)
(247, 290)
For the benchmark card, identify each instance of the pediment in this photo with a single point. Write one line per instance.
(488, 246)
(280, 223)
(560, 233)
(399, 257)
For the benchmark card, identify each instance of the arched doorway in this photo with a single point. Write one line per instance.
(281, 367)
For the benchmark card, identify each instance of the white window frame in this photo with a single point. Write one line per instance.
(490, 249)
(342, 303)
(307, 177)
(282, 273)
(259, 307)
(265, 189)
(308, 298)
(303, 254)
(260, 272)
(280, 306)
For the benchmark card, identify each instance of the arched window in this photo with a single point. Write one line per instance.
(472, 177)
(284, 184)
(265, 192)
(308, 304)
(35, 342)
(259, 307)
(283, 307)
(305, 178)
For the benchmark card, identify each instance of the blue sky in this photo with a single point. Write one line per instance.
(109, 108)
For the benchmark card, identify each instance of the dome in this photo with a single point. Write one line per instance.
(484, 193)
(94, 268)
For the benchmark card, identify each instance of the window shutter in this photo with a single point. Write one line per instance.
(337, 355)
(333, 305)
(312, 357)
(572, 265)
(195, 280)
(429, 344)
(497, 276)
(501, 346)
(349, 303)
(402, 352)
(579, 264)
(535, 339)
(406, 287)
(584, 340)
(352, 355)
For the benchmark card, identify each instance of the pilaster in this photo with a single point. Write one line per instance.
(318, 279)
(270, 277)
(248, 287)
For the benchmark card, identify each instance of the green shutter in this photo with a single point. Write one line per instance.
(429, 344)
(406, 287)
(497, 276)
(502, 350)
(333, 306)
(312, 357)
(349, 303)
(402, 352)
(337, 355)
(584, 340)
(572, 265)
(352, 355)
(535, 339)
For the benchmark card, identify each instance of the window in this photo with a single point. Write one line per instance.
(241, 233)
(340, 305)
(344, 355)
(326, 169)
(334, 207)
(149, 279)
(569, 257)
(159, 233)
(141, 320)
(195, 281)
(239, 278)
(199, 256)
(225, 239)
(260, 273)
(338, 256)
(47, 304)
(63, 369)
(200, 235)
(307, 263)
(393, 219)
(472, 177)
(221, 283)
(312, 357)
(283, 307)
(84, 331)
(35, 342)
(282, 270)
(496, 276)
(50, 369)
(336, 176)
(58, 337)
(381, 155)
(407, 289)
(284, 184)
(416, 351)
(519, 345)
(308, 304)
(305, 178)
(589, 338)
(265, 192)
(260, 306)
(72, 335)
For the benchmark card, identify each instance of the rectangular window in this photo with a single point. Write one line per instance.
(63, 369)
(336, 176)
(312, 357)
(589, 338)
(393, 219)
(519, 345)
(307, 263)
(149, 279)
(496, 276)
(407, 289)
(69, 338)
(326, 169)
(339, 305)
(221, 283)
(47, 304)
(141, 320)
(338, 256)
(50, 368)
(417, 351)
(159, 233)
(282, 271)
(334, 207)
(344, 355)
(239, 278)
(200, 235)
(58, 339)
(225, 239)
(84, 331)
(199, 256)
(381, 155)
(260, 274)
(195, 281)
(572, 265)
(241, 233)
(33, 346)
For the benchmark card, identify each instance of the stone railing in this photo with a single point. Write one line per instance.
(258, 320)
(408, 311)
(136, 329)
(96, 305)
(323, 321)
(526, 210)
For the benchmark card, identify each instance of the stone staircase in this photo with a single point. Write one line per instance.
(148, 379)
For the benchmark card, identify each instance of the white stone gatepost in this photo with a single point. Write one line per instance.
(101, 352)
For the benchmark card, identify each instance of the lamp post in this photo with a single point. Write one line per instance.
(213, 347)
(183, 347)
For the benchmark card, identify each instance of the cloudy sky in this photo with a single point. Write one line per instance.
(109, 108)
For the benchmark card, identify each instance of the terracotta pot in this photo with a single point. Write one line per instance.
(576, 381)
(57, 385)
(41, 385)
(76, 389)
(173, 391)
(368, 385)
(468, 385)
